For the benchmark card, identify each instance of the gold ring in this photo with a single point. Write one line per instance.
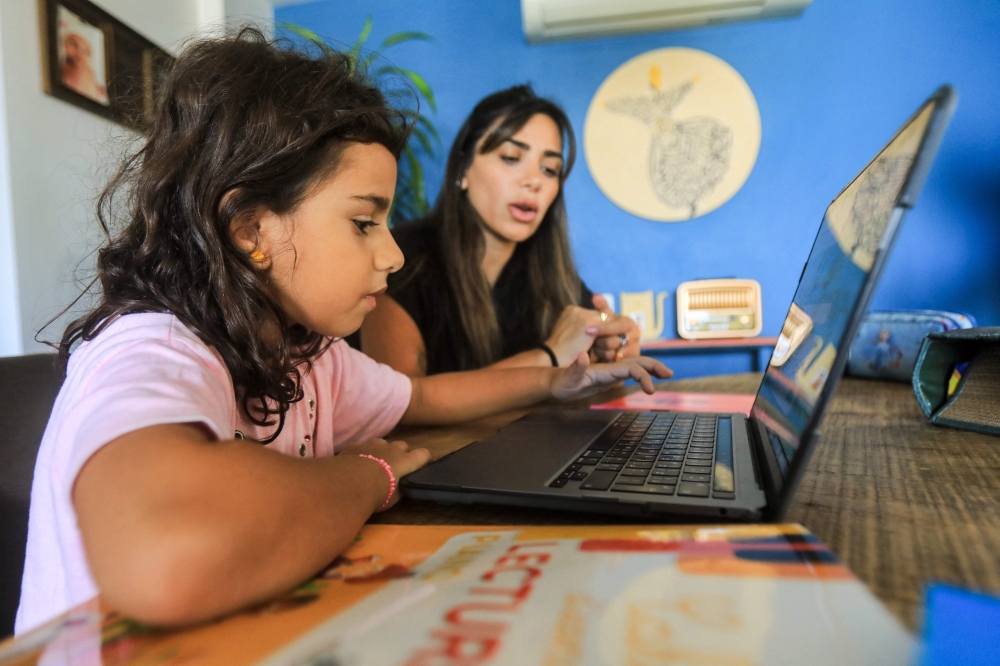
(604, 316)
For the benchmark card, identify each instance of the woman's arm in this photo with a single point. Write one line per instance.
(581, 329)
(532, 358)
(455, 397)
(389, 335)
(574, 331)
(179, 528)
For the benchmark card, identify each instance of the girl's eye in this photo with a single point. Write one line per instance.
(363, 225)
(550, 172)
(510, 159)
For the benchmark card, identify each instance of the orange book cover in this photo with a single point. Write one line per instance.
(466, 596)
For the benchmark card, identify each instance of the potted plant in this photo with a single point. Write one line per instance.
(404, 88)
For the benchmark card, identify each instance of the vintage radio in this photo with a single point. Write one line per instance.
(797, 326)
(728, 308)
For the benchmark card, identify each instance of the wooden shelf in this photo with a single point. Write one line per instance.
(753, 346)
(715, 343)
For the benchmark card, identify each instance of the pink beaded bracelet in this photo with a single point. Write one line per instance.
(392, 478)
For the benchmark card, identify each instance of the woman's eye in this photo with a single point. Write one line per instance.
(510, 159)
(363, 225)
(550, 172)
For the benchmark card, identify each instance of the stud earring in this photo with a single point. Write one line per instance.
(257, 256)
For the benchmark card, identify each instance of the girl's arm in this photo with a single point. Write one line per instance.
(179, 528)
(461, 396)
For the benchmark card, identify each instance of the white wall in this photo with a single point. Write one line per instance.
(10, 313)
(217, 15)
(58, 156)
(258, 12)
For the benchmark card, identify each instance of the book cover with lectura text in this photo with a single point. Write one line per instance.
(552, 596)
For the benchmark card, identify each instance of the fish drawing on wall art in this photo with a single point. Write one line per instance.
(875, 199)
(860, 214)
(688, 157)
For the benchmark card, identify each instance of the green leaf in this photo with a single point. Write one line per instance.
(366, 62)
(427, 125)
(424, 142)
(416, 180)
(401, 93)
(388, 69)
(416, 116)
(362, 38)
(418, 81)
(400, 37)
(308, 34)
(403, 204)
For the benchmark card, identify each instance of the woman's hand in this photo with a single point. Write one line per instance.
(574, 332)
(582, 379)
(397, 455)
(617, 337)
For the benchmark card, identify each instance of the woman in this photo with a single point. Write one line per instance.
(489, 278)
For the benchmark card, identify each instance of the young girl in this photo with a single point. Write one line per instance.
(254, 238)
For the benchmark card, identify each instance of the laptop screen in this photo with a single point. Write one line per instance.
(854, 227)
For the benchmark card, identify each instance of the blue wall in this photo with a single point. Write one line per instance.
(832, 87)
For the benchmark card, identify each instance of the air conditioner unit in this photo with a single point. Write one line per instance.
(547, 20)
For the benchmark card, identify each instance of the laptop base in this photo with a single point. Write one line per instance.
(525, 465)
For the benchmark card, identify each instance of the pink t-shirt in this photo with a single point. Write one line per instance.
(149, 369)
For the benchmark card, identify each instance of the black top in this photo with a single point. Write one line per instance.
(421, 288)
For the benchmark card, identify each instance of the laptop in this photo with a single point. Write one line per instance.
(728, 466)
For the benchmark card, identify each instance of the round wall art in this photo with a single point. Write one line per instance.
(672, 134)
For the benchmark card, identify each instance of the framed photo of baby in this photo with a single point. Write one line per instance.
(98, 63)
(82, 65)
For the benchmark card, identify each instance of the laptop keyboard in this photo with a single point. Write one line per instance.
(658, 453)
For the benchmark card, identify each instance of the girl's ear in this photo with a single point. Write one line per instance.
(245, 230)
(245, 225)
(464, 183)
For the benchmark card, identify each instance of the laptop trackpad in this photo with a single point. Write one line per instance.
(521, 457)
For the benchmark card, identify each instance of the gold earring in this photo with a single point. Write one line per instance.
(257, 256)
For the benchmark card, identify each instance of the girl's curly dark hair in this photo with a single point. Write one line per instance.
(243, 123)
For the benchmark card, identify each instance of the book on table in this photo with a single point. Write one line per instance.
(434, 595)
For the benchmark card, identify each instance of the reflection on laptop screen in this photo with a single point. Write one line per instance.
(842, 256)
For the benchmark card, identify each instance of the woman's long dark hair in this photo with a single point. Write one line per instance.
(552, 280)
(243, 124)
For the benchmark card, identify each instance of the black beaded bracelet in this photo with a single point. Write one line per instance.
(552, 354)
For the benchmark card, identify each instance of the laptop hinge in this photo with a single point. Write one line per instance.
(765, 466)
(755, 454)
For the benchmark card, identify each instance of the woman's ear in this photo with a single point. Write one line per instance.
(464, 183)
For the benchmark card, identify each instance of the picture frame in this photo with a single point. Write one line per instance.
(95, 62)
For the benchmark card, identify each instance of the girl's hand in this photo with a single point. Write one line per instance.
(399, 457)
(608, 346)
(574, 332)
(583, 379)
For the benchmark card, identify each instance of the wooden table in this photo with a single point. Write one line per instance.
(901, 502)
